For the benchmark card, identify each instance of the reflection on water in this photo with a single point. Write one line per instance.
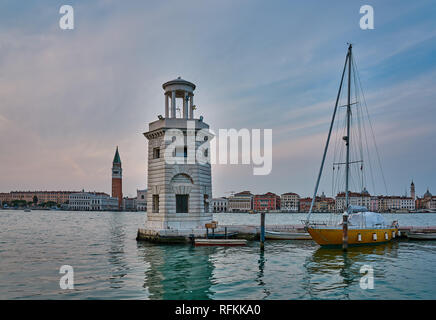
(338, 272)
(176, 272)
(260, 274)
(110, 264)
(119, 266)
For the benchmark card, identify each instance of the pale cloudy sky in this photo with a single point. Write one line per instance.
(68, 98)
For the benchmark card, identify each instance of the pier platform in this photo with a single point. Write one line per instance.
(247, 232)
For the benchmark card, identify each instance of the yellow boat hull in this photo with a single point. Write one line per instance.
(333, 236)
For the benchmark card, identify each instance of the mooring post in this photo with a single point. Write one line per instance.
(345, 231)
(225, 232)
(213, 233)
(207, 233)
(192, 238)
(262, 230)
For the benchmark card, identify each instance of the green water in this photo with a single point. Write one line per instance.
(109, 264)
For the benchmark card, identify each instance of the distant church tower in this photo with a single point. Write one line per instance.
(117, 179)
(178, 193)
(412, 190)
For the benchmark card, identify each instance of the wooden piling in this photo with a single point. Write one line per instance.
(262, 231)
(345, 231)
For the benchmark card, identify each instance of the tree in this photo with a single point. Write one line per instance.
(35, 199)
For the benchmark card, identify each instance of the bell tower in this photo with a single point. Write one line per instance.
(412, 190)
(179, 186)
(117, 179)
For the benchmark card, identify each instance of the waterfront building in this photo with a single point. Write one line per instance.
(266, 202)
(355, 199)
(4, 197)
(391, 203)
(305, 204)
(219, 204)
(179, 190)
(141, 200)
(92, 201)
(129, 204)
(117, 179)
(395, 203)
(241, 202)
(374, 204)
(322, 204)
(427, 202)
(290, 202)
(58, 197)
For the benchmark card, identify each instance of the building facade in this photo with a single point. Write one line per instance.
(322, 204)
(305, 204)
(290, 202)
(354, 198)
(179, 182)
(117, 179)
(59, 197)
(219, 205)
(89, 201)
(392, 204)
(129, 204)
(141, 200)
(266, 202)
(427, 202)
(241, 202)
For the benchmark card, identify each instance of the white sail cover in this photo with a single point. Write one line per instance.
(366, 219)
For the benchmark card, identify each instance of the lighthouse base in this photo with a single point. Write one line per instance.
(177, 221)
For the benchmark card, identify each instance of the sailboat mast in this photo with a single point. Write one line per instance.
(347, 173)
(347, 140)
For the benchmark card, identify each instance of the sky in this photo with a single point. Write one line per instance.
(69, 97)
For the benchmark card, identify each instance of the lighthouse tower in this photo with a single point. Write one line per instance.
(117, 179)
(178, 192)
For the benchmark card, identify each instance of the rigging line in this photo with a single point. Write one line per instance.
(328, 139)
(341, 150)
(372, 131)
(336, 131)
(340, 132)
(371, 170)
(357, 134)
(359, 120)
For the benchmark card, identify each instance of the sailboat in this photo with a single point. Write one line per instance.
(359, 226)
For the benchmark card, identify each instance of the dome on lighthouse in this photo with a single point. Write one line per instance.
(179, 81)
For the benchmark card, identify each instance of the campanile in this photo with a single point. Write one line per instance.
(117, 179)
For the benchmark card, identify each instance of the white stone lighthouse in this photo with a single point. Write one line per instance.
(178, 192)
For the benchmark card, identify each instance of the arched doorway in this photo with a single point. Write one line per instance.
(182, 185)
